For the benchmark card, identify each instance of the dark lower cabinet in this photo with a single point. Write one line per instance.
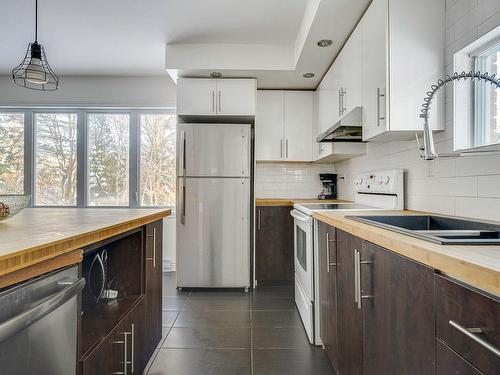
(328, 290)
(449, 362)
(153, 286)
(349, 316)
(468, 322)
(397, 296)
(273, 245)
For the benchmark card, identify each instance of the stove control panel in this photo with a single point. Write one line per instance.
(389, 182)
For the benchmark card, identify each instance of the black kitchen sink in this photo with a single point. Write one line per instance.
(444, 230)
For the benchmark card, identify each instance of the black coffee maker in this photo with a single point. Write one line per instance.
(329, 181)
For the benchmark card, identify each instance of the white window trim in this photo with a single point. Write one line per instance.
(82, 149)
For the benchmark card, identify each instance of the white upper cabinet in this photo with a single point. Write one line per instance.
(236, 97)
(351, 86)
(209, 97)
(299, 117)
(284, 125)
(269, 124)
(196, 97)
(402, 56)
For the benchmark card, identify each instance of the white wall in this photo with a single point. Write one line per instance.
(94, 91)
(465, 186)
(289, 180)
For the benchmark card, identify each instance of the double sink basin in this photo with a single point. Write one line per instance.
(443, 230)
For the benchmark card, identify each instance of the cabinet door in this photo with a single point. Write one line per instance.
(398, 313)
(133, 329)
(328, 291)
(153, 298)
(299, 117)
(351, 72)
(373, 67)
(269, 125)
(236, 97)
(105, 358)
(329, 107)
(449, 362)
(196, 96)
(350, 329)
(273, 245)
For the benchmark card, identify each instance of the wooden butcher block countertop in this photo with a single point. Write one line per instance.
(478, 266)
(292, 201)
(48, 238)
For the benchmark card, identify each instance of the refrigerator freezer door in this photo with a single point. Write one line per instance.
(213, 239)
(218, 150)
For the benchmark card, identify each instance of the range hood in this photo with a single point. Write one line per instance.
(347, 129)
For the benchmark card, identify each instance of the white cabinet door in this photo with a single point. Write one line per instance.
(351, 72)
(269, 123)
(236, 97)
(374, 62)
(196, 96)
(299, 117)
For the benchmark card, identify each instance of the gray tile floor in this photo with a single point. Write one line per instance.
(234, 333)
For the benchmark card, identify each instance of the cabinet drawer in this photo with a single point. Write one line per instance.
(469, 323)
(448, 362)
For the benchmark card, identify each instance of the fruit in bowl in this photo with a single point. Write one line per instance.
(11, 205)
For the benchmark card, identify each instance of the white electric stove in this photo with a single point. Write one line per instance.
(379, 190)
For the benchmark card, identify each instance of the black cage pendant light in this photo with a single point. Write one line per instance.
(34, 72)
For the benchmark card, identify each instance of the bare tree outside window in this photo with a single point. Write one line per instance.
(55, 161)
(157, 159)
(108, 159)
(11, 153)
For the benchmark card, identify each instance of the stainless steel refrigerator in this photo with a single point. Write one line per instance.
(213, 205)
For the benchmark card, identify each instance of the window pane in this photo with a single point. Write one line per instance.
(487, 100)
(11, 153)
(157, 164)
(108, 159)
(55, 160)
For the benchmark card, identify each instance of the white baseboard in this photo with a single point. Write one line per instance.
(168, 265)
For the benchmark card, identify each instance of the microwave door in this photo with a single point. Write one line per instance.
(214, 150)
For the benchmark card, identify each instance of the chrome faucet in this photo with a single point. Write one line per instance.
(427, 150)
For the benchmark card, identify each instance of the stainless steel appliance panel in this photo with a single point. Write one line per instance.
(207, 150)
(38, 325)
(213, 237)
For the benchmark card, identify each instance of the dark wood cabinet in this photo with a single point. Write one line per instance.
(273, 245)
(350, 318)
(328, 291)
(397, 297)
(468, 322)
(153, 290)
(448, 362)
(132, 329)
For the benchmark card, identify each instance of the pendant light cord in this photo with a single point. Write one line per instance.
(36, 21)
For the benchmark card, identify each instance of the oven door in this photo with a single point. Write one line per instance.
(303, 252)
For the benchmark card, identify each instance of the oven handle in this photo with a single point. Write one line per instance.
(25, 319)
(300, 217)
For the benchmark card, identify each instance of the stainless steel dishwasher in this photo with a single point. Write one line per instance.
(38, 325)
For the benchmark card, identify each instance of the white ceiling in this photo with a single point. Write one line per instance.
(128, 37)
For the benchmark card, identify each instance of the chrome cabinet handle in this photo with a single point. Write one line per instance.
(182, 203)
(219, 102)
(340, 103)
(343, 91)
(126, 362)
(153, 259)
(286, 148)
(213, 101)
(258, 219)
(15, 324)
(328, 263)
(357, 279)
(379, 95)
(132, 353)
(281, 148)
(469, 333)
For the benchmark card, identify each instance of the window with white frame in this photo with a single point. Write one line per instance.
(476, 103)
(89, 158)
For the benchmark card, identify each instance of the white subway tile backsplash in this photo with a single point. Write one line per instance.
(465, 186)
(289, 180)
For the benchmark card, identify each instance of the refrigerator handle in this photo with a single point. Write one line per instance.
(182, 198)
(182, 158)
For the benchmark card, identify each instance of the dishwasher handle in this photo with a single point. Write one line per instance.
(15, 324)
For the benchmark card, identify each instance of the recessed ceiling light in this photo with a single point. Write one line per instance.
(325, 43)
(216, 74)
(308, 75)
